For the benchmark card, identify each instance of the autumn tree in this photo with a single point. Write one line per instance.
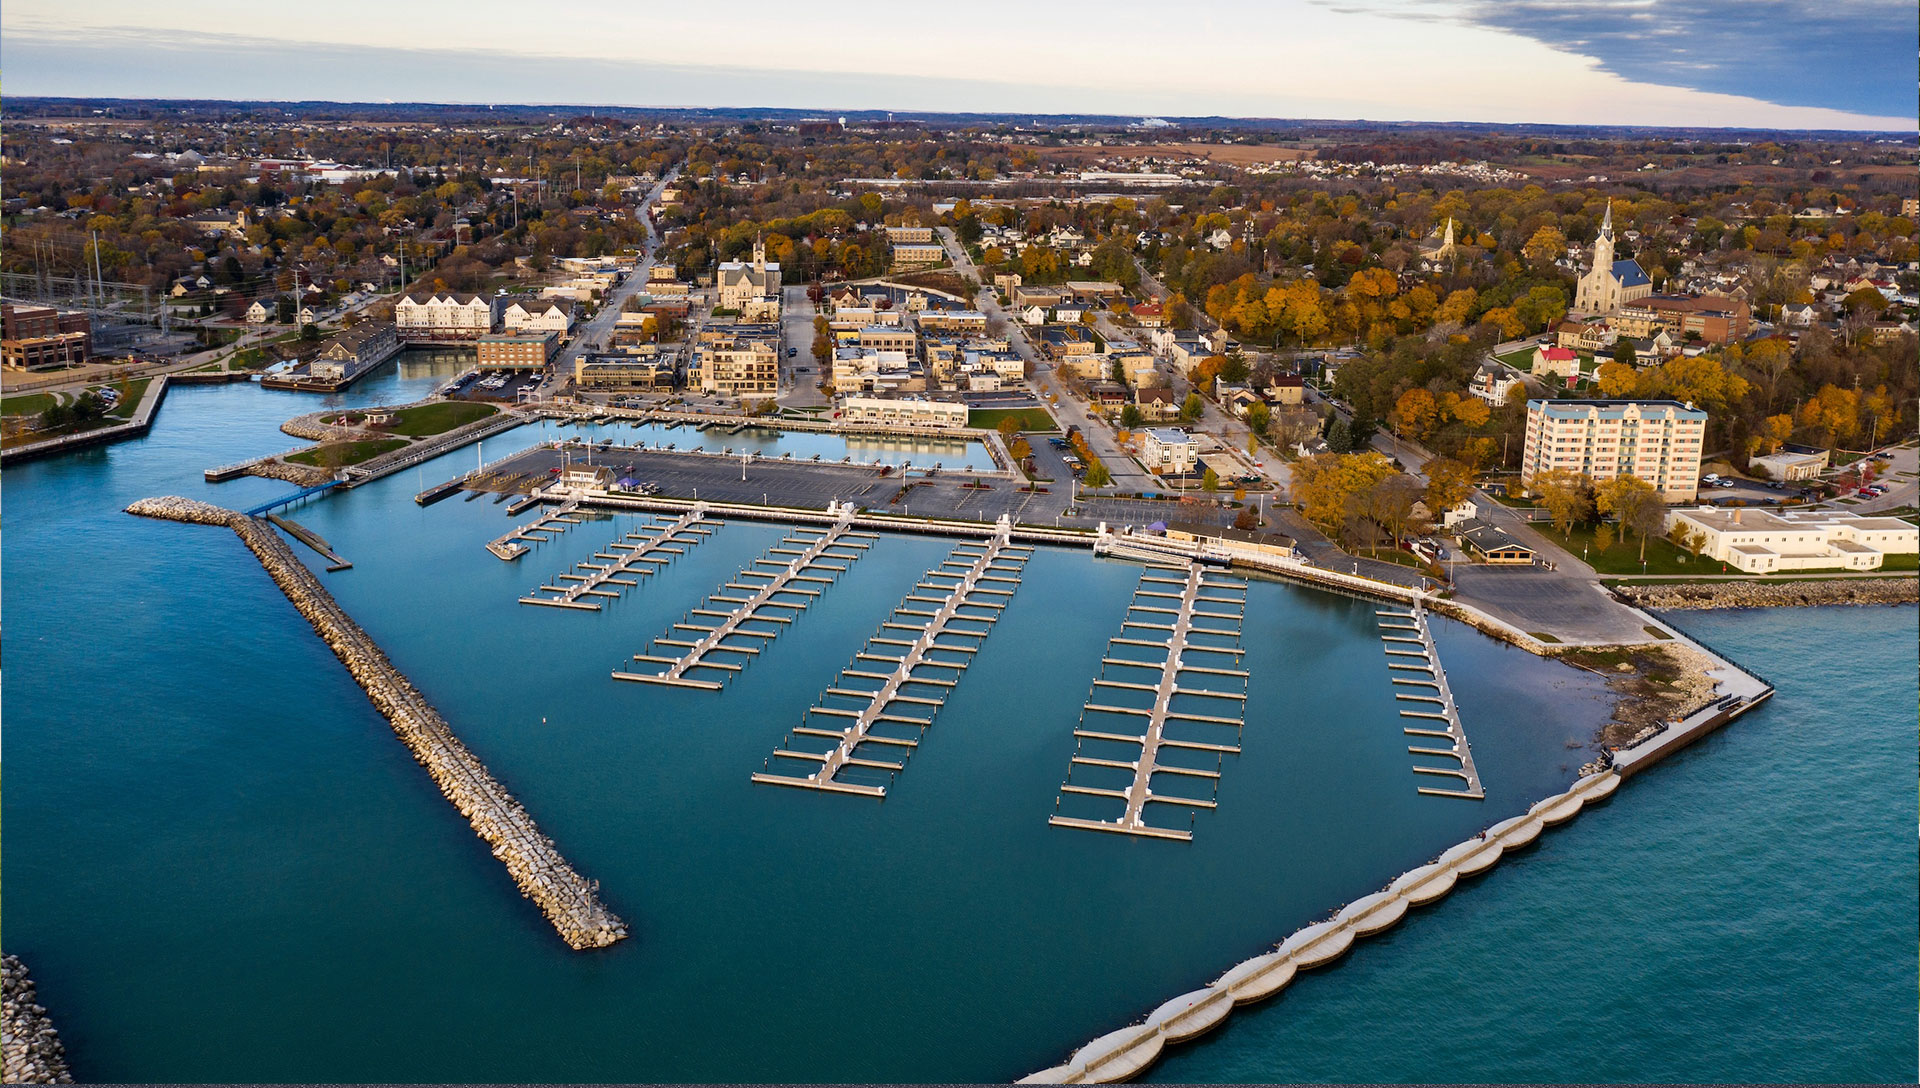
(1633, 503)
(1449, 483)
(1414, 414)
(1567, 496)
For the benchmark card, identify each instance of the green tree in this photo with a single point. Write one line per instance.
(1097, 474)
(1567, 496)
(1131, 417)
(1209, 481)
(1191, 409)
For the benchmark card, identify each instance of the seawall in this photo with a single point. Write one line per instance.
(33, 1052)
(139, 424)
(1892, 589)
(570, 902)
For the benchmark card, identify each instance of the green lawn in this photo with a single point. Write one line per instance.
(352, 453)
(438, 417)
(1031, 419)
(1519, 360)
(130, 399)
(26, 404)
(1624, 557)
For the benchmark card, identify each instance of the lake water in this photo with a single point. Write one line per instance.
(223, 866)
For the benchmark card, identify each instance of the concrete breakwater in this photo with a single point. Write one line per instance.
(1889, 590)
(33, 1052)
(1122, 1055)
(570, 902)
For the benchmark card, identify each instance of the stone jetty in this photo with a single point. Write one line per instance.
(1759, 594)
(33, 1051)
(570, 901)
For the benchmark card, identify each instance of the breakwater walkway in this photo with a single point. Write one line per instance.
(636, 553)
(801, 566)
(958, 601)
(33, 1051)
(1410, 649)
(1196, 612)
(570, 901)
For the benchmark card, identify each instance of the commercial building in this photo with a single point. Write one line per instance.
(903, 412)
(1759, 542)
(619, 370)
(1657, 440)
(352, 351)
(515, 351)
(42, 338)
(1715, 319)
(1491, 543)
(960, 321)
(442, 317)
(1167, 451)
(1790, 464)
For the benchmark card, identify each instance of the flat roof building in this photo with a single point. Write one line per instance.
(1657, 440)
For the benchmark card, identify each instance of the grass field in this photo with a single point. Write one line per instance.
(1031, 419)
(1624, 557)
(26, 404)
(130, 399)
(352, 453)
(437, 418)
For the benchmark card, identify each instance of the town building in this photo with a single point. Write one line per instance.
(1657, 440)
(1791, 464)
(1759, 542)
(915, 412)
(957, 321)
(1716, 319)
(515, 351)
(737, 361)
(43, 338)
(621, 370)
(1168, 451)
(1563, 362)
(739, 283)
(1492, 543)
(351, 351)
(535, 315)
(1495, 384)
(918, 255)
(1609, 284)
(909, 235)
(444, 316)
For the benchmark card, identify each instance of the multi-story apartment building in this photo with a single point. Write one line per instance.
(961, 321)
(736, 365)
(911, 255)
(908, 235)
(353, 350)
(444, 316)
(535, 315)
(515, 351)
(1657, 440)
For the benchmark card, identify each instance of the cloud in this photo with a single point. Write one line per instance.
(1852, 55)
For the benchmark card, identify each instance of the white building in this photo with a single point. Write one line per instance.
(1759, 542)
(447, 316)
(1168, 451)
(542, 315)
(903, 412)
(740, 283)
(257, 314)
(1657, 440)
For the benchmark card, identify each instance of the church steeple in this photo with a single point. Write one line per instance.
(1447, 242)
(1603, 243)
(759, 253)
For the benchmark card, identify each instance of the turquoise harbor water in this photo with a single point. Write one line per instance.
(222, 865)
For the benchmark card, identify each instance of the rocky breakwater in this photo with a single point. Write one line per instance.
(570, 901)
(1757, 594)
(32, 1048)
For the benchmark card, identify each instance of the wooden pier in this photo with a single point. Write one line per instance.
(636, 553)
(514, 544)
(777, 588)
(1198, 613)
(888, 695)
(1410, 650)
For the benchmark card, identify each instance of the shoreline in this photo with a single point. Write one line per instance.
(34, 1053)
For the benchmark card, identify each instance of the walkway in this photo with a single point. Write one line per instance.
(990, 570)
(771, 601)
(1185, 634)
(653, 544)
(1410, 649)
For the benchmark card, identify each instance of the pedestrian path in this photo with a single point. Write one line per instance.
(888, 695)
(653, 545)
(1415, 663)
(1171, 714)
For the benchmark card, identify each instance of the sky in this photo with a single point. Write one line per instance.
(1844, 64)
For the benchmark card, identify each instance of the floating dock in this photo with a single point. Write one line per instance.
(777, 588)
(888, 695)
(514, 544)
(1412, 659)
(312, 540)
(636, 553)
(1197, 613)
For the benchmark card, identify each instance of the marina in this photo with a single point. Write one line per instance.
(1200, 612)
(1415, 663)
(778, 587)
(637, 553)
(516, 542)
(958, 601)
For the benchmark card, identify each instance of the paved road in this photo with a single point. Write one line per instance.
(593, 335)
(799, 376)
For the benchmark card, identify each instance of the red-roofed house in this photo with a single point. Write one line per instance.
(1562, 361)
